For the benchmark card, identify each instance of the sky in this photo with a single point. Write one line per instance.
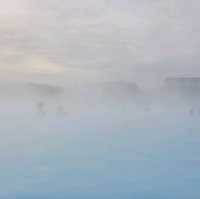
(133, 40)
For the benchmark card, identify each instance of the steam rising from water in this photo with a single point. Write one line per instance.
(101, 140)
(112, 40)
(77, 120)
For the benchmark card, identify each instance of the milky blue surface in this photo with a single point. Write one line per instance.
(99, 154)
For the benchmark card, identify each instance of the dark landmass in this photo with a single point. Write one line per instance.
(183, 86)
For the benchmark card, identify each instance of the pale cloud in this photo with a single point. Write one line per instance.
(12, 8)
(37, 65)
(114, 38)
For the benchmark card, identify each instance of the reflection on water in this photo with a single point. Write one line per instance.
(105, 152)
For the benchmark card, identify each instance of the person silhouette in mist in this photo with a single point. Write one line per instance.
(61, 110)
(191, 112)
(41, 107)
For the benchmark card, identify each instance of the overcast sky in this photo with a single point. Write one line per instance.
(100, 39)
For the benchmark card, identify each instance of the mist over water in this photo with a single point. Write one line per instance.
(113, 143)
(99, 99)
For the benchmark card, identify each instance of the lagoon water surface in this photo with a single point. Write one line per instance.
(105, 152)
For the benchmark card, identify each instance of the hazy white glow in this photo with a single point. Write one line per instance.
(10, 8)
(119, 39)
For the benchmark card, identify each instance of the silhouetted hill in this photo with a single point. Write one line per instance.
(186, 86)
(179, 90)
(118, 88)
(20, 89)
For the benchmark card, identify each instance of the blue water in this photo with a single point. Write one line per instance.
(100, 154)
